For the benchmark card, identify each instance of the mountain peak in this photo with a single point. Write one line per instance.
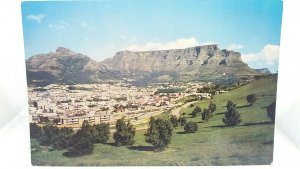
(64, 51)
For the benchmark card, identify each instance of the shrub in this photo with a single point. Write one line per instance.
(86, 126)
(159, 133)
(100, 133)
(232, 116)
(124, 134)
(251, 98)
(197, 110)
(229, 104)
(81, 143)
(174, 121)
(60, 141)
(191, 127)
(212, 107)
(206, 115)
(48, 133)
(182, 121)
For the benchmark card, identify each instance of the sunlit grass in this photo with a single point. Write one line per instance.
(251, 142)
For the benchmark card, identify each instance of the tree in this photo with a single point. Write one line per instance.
(100, 133)
(229, 104)
(124, 134)
(159, 133)
(271, 109)
(86, 126)
(35, 104)
(81, 143)
(206, 115)
(44, 119)
(48, 133)
(212, 107)
(197, 110)
(182, 120)
(204, 89)
(251, 98)
(60, 141)
(232, 116)
(174, 120)
(191, 127)
(56, 121)
(35, 130)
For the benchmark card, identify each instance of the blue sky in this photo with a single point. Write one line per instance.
(101, 28)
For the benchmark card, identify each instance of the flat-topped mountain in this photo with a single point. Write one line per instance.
(196, 63)
(187, 59)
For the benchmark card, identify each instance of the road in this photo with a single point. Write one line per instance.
(143, 120)
(176, 112)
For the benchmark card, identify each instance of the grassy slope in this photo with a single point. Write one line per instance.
(249, 143)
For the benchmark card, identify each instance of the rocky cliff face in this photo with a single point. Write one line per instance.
(196, 63)
(65, 66)
(174, 60)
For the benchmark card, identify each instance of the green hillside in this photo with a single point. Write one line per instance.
(251, 142)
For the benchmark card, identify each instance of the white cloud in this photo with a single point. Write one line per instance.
(177, 44)
(207, 43)
(269, 54)
(234, 47)
(37, 18)
(59, 25)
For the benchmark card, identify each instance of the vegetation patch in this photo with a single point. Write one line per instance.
(248, 142)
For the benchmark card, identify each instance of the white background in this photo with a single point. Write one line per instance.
(14, 129)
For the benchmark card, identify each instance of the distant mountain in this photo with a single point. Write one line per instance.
(196, 63)
(263, 71)
(65, 66)
(206, 63)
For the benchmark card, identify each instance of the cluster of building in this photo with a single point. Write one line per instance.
(95, 103)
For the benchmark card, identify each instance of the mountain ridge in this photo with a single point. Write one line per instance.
(206, 62)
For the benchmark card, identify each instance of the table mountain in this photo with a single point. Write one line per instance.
(196, 63)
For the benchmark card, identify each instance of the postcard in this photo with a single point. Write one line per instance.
(153, 82)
